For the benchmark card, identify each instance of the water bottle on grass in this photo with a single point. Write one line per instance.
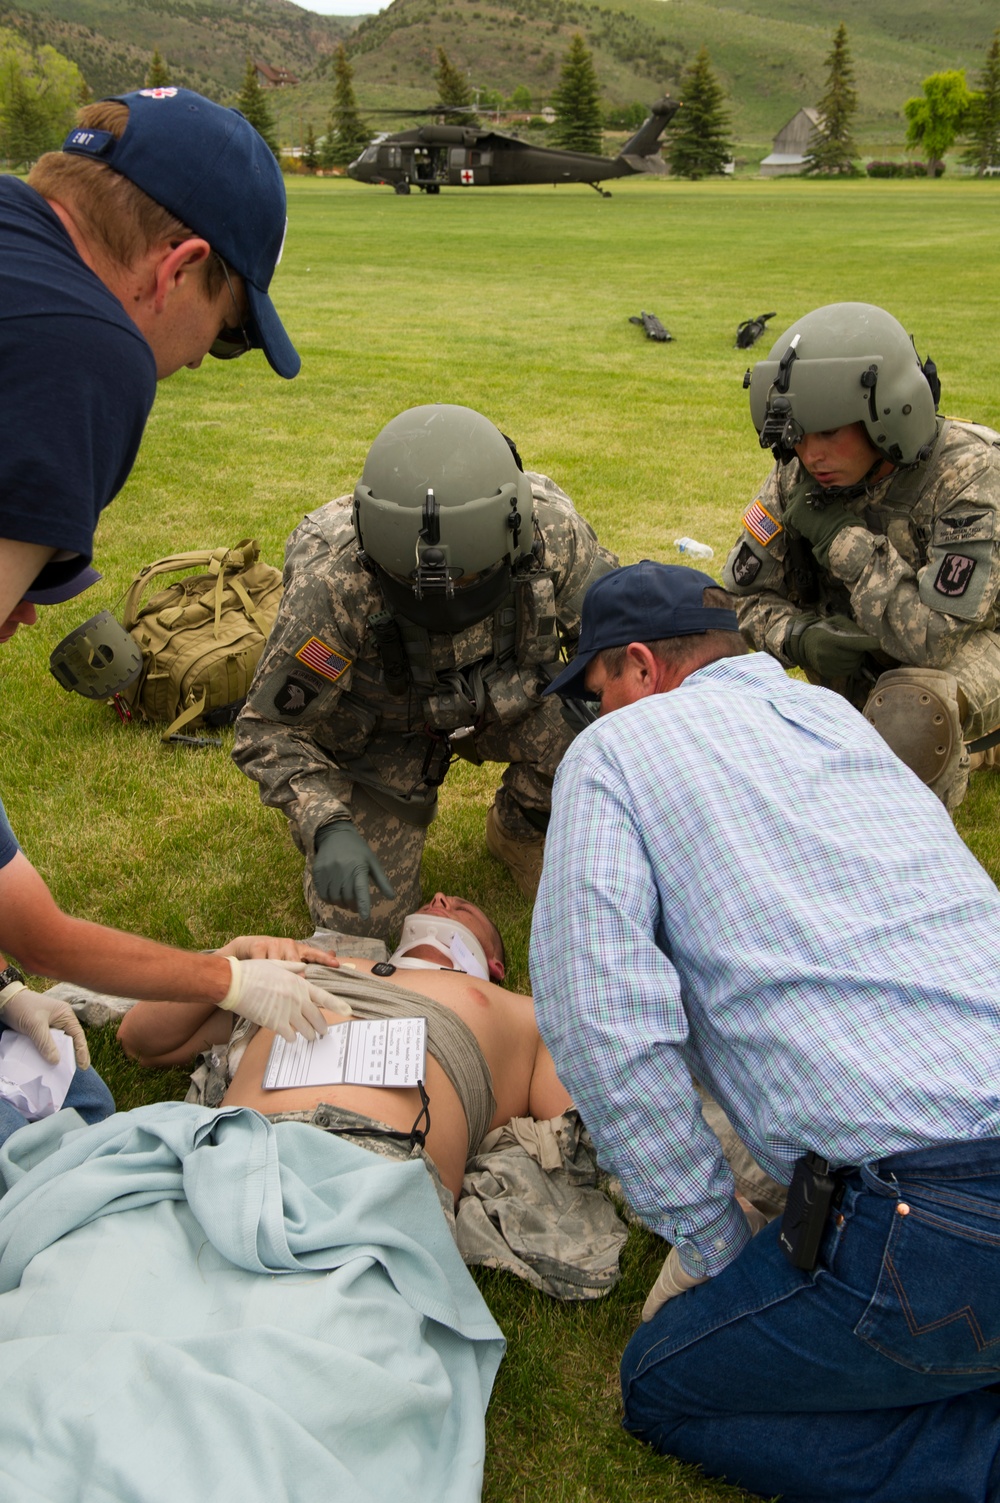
(693, 548)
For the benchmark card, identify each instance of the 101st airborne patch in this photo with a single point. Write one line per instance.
(322, 659)
(760, 524)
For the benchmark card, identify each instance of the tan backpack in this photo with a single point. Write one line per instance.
(202, 636)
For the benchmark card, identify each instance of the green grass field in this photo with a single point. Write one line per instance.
(515, 302)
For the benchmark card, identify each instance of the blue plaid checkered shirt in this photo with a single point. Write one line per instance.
(743, 884)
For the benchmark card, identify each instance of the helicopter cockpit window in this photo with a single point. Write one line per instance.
(390, 156)
(369, 154)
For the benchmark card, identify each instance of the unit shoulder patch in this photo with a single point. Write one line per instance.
(323, 659)
(760, 524)
(746, 566)
(294, 696)
(955, 574)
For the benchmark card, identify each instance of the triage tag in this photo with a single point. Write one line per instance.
(374, 1052)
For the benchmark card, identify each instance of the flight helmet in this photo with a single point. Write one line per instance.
(442, 513)
(845, 363)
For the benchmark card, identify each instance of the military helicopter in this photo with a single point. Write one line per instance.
(430, 157)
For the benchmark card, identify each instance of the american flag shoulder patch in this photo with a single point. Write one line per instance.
(760, 524)
(322, 659)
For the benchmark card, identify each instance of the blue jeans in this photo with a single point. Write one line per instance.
(866, 1379)
(87, 1094)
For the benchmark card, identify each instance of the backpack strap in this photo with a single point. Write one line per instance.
(219, 562)
(259, 621)
(184, 718)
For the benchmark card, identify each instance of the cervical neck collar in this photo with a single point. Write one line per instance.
(453, 942)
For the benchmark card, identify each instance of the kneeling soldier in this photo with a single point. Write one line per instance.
(871, 555)
(422, 619)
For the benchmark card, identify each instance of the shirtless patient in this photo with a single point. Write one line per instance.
(523, 1078)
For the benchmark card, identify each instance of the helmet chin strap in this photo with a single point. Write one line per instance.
(453, 941)
(437, 611)
(824, 494)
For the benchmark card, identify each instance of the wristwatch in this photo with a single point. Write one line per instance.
(11, 982)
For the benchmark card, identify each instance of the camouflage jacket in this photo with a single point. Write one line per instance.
(923, 574)
(319, 697)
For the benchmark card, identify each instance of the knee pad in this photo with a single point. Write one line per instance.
(915, 711)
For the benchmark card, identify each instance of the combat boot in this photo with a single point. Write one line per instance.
(522, 857)
(979, 761)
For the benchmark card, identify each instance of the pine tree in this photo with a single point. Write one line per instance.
(700, 147)
(577, 102)
(984, 116)
(40, 90)
(831, 147)
(346, 132)
(454, 91)
(158, 74)
(252, 102)
(310, 153)
(25, 133)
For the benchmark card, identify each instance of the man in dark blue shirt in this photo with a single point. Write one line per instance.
(149, 241)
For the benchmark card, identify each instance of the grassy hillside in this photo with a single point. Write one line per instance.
(205, 42)
(769, 54)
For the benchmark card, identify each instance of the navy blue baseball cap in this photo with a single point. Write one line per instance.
(210, 168)
(640, 603)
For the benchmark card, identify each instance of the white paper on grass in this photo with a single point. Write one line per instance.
(31, 1085)
(376, 1051)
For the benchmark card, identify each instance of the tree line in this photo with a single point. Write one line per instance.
(946, 111)
(40, 91)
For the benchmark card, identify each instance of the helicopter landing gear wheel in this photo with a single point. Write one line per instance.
(401, 188)
(433, 188)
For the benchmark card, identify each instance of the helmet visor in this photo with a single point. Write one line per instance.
(821, 395)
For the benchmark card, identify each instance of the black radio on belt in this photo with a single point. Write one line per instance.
(812, 1192)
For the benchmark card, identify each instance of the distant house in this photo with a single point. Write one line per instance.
(791, 144)
(274, 78)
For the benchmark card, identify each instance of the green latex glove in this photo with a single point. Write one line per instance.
(831, 646)
(819, 525)
(344, 865)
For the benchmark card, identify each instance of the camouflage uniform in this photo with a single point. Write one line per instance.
(327, 739)
(922, 578)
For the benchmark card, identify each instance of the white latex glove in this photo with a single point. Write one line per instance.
(269, 947)
(275, 994)
(34, 1015)
(674, 1280)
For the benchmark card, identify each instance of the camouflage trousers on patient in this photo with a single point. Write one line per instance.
(752, 1182)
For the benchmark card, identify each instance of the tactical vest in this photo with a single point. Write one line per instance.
(523, 633)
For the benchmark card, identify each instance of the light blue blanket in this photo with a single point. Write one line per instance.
(200, 1305)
